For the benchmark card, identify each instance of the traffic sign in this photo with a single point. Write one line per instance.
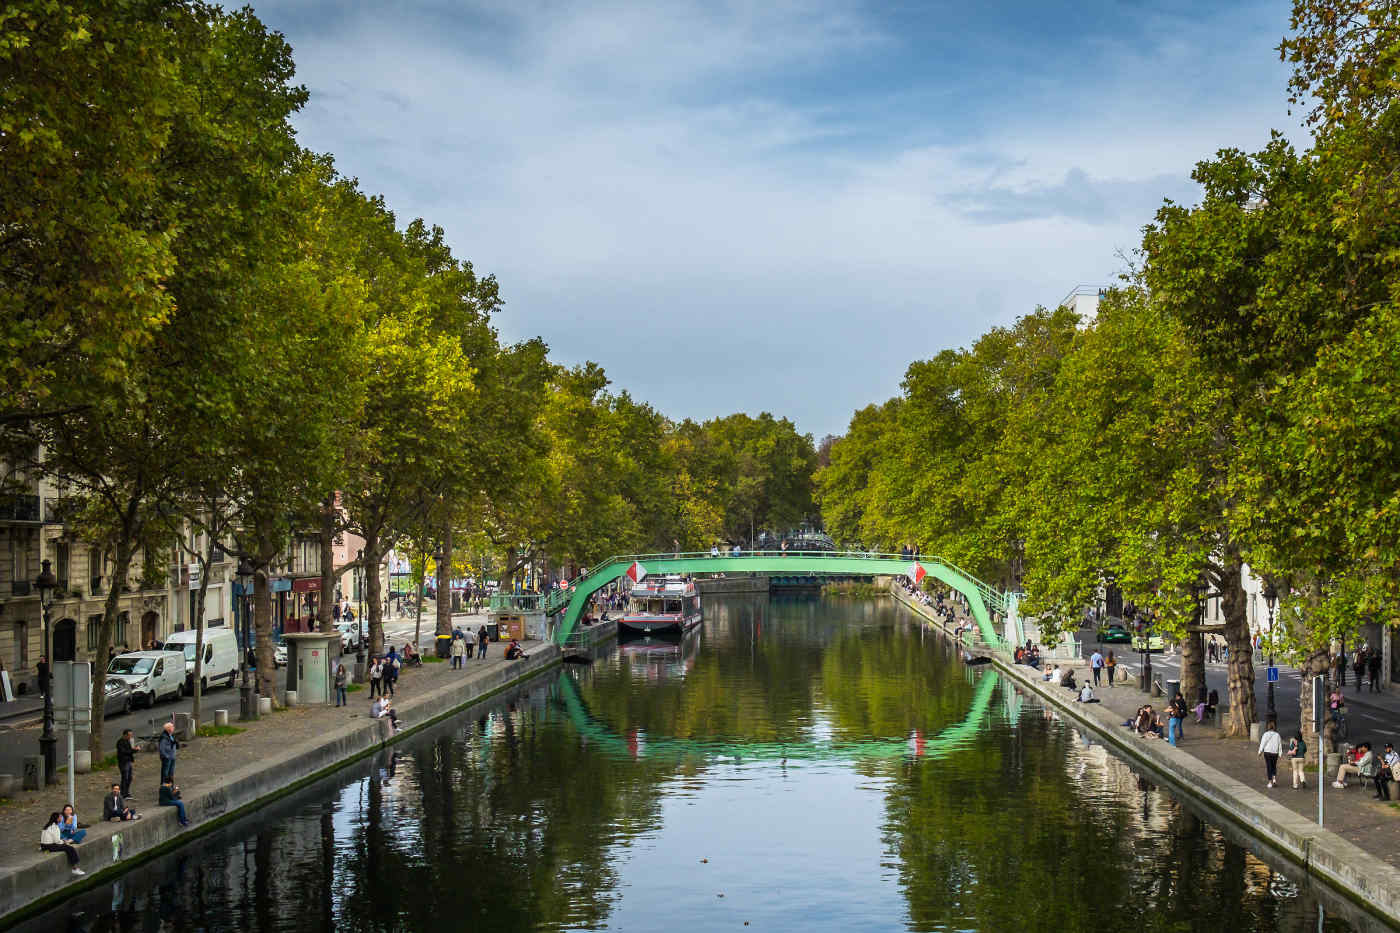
(1273, 675)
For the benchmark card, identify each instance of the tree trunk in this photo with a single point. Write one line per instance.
(419, 581)
(121, 572)
(327, 540)
(262, 633)
(370, 569)
(1241, 667)
(444, 581)
(206, 561)
(508, 578)
(1193, 667)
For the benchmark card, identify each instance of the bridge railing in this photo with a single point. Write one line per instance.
(558, 599)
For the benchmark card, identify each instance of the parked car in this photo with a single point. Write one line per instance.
(349, 635)
(1114, 634)
(118, 699)
(151, 675)
(279, 654)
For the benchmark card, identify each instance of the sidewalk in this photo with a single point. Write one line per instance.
(219, 776)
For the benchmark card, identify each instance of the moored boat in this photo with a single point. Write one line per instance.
(662, 605)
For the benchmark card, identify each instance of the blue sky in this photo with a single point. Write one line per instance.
(778, 205)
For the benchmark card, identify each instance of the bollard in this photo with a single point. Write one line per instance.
(82, 760)
(1254, 732)
(221, 717)
(291, 698)
(33, 772)
(264, 706)
(8, 785)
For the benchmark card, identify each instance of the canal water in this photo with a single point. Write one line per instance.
(796, 764)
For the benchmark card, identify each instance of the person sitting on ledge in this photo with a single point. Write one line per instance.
(1068, 680)
(51, 840)
(411, 656)
(1086, 695)
(381, 709)
(114, 808)
(1056, 675)
(515, 652)
(170, 797)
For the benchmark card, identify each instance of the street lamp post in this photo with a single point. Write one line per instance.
(1271, 600)
(248, 707)
(1199, 590)
(46, 584)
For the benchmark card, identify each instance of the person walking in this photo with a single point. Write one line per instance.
(1297, 757)
(1358, 667)
(1110, 666)
(168, 747)
(51, 840)
(481, 642)
(1096, 665)
(391, 672)
(376, 678)
(1373, 670)
(341, 679)
(127, 747)
(457, 650)
(1270, 745)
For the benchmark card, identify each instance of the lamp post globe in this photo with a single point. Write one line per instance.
(46, 584)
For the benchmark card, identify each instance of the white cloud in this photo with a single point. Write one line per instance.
(655, 190)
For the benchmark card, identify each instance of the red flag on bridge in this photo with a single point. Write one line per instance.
(636, 573)
(917, 573)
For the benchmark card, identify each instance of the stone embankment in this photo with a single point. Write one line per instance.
(1344, 865)
(224, 777)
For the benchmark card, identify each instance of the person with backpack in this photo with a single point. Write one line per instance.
(481, 642)
(391, 671)
(1297, 757)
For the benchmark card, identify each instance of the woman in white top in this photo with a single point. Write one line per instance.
(1270, 746)
(51, 840)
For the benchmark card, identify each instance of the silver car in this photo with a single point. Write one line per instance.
(118, 699)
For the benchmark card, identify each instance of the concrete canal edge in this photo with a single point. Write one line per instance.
(1344, 866)
(41, 882)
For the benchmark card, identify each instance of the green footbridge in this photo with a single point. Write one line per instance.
(982, 599)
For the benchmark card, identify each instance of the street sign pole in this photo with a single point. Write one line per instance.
(1318, 705)
(73, 690)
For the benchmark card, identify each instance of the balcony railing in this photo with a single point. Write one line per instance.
(17, 507)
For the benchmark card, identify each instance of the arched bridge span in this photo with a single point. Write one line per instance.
(982, 599)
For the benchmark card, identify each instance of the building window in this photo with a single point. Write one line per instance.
(60, 565)
(94, 571)
(94, 629)
(120, 636)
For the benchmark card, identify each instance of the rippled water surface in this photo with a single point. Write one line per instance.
(795, 764)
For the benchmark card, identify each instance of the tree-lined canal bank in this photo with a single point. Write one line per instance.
(799, 763)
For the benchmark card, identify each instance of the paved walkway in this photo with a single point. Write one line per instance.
(1354, 813)
(203, 762)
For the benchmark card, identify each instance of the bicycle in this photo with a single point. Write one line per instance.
(1339, 718)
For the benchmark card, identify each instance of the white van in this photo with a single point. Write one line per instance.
(151, 675)
(220, 657)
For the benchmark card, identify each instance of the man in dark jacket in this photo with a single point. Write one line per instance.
(168, 747)
(126, 757)
(115, 808)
